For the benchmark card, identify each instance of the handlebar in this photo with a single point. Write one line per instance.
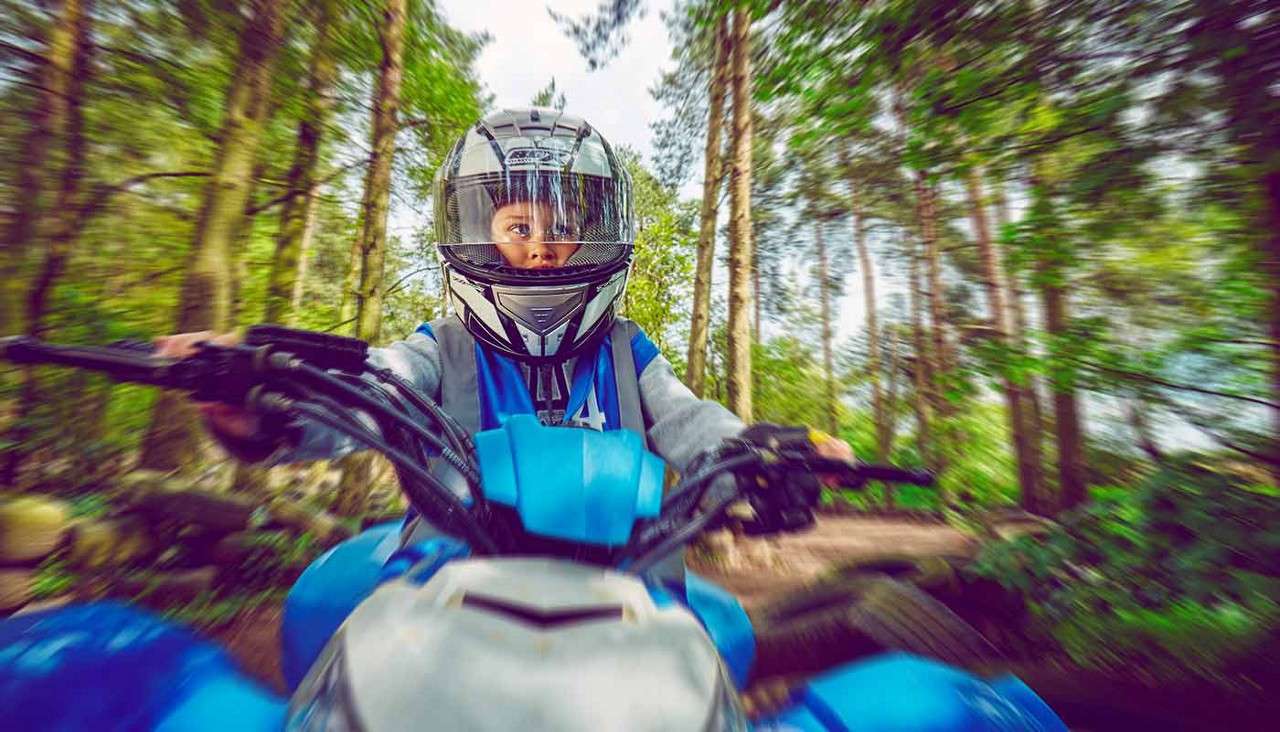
(265, 374)
(855, 474)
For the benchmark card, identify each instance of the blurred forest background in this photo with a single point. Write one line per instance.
(1063, 219)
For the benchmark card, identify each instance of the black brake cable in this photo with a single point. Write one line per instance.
(446, 423)
(380, 410)
(454, 513)
(663, 538)
(420, 450)
(680, 536)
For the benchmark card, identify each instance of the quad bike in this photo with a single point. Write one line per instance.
(537, 606)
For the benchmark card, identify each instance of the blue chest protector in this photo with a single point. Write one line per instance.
(482, 389)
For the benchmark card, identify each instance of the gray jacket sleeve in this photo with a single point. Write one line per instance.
(415, 359)
(680, 424)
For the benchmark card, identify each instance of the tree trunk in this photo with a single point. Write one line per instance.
(1271, 256)
(873, 329)
(891, 396)
(242, 237)
(1051, 274)
(204, 302)
(1029, 395)
(699, 323)
(60, 232)
(33, 178)
(353, 490)
(740, 254)
(1025, 448)
(828, 362)
(926, 197)
(921, 373)
(297, 216)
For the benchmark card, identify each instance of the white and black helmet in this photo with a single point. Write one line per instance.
(562, 175)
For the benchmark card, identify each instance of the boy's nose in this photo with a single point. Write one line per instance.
(540, 252)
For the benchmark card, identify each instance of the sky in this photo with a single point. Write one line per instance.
(528, 50)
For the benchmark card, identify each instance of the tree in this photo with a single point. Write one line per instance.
(740, 254)
(1021, 431)
(59, 233)
(51, 73)
(205, 300)
(297, 217)
(357, 475)
(549, 96)
(700, 319)
(879, 411)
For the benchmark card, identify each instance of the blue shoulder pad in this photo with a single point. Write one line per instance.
(570, 483)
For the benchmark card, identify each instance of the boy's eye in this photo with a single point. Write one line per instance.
(564, 232)
(519, 229)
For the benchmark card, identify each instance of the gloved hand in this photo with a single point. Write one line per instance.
(781, 495)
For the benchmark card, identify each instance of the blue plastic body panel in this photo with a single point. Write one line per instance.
(107, 666)
(568, 483)
(327, 592)
(725, 621)
(897, 693)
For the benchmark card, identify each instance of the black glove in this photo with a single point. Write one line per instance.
(782, 495)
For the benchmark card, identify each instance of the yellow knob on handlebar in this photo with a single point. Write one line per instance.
(817, 437)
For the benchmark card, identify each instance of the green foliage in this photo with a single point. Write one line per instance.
(211, 610)
(1180, 572)
(274, 559)
(660, 287)
(52, 578)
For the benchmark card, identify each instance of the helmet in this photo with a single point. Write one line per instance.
(534, 226)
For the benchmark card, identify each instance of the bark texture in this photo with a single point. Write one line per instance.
(297, 217)
(33, 180)
(740, 256)
(58, 231)
(204, 302)
(1051, 274)
(700, 322)
(1025, 449)
(357, 475)
(832, 424)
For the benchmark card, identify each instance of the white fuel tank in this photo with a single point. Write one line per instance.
(518, 644)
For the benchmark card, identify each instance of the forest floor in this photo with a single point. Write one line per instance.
(755, 570)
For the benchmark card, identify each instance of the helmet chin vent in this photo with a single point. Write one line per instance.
(541, 311)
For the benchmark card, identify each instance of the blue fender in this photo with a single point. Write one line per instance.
(108, 666)
(327, 592)
(902, 693)
(726, 622)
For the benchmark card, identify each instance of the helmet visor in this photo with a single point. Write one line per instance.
(548, 206)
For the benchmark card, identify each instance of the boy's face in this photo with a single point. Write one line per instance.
(529, 236)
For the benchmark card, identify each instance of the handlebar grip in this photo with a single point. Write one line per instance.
(859, 473)
(122, 364)
(322, 350)
(892, 474)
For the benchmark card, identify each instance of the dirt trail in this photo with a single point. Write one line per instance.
(758, 569)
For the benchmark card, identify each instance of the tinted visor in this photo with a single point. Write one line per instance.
(534, 203)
